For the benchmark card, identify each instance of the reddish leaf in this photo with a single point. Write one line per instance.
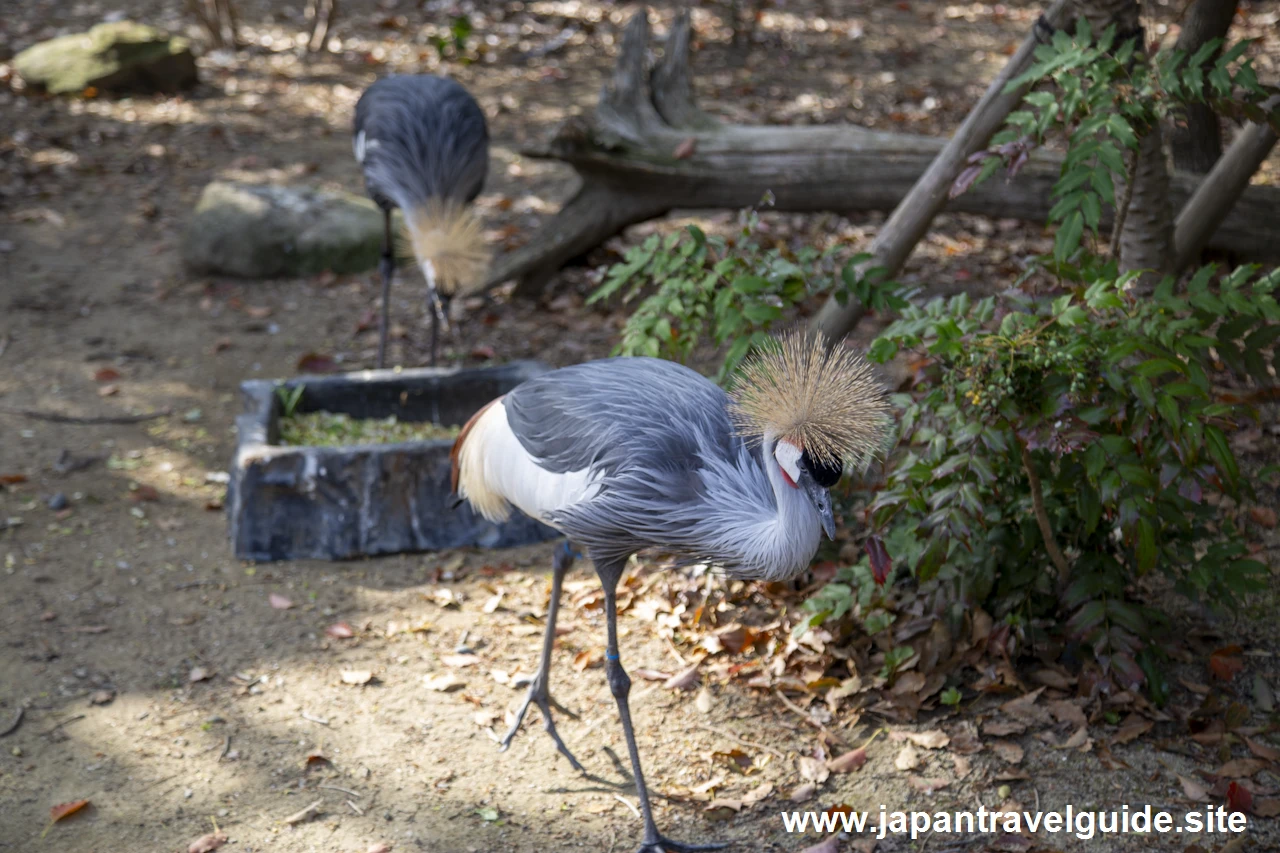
(879, 558)
(340, 631)
(1263, 515)
(964, 180)
(1239, 798)
(106, 374)
(61, 810)
(483, 352)
(1224, 663)
(316, 363)
(12, 479)
(848, 762)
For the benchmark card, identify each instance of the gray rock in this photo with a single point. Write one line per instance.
(337, 503)
(118, 56)
(267, 231)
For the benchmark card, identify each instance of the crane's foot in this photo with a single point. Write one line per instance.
(666, 845)
(540, 696)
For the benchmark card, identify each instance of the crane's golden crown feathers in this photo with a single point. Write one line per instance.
(825, 401)
(449, 235)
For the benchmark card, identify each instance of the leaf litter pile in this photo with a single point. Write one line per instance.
(330, 429)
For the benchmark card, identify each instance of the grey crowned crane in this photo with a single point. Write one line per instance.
(423, 145)
(627, 454)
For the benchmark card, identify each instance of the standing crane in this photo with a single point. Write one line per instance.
(625, 454)
(423, 145)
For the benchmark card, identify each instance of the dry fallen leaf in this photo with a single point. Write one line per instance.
(850, 761)
(101, 697)
(1079, 740)
(813, 770)
(106, 374)
(1001, 728)
(802, 792)
(907, 758)
(1194, 790)
(199, 673)
(1267, 807)
(1007, 750)
(356, 676)
(721, 809)
(686, 680)
(1240, 768)
(586, 659)
(1134, 726)
(927, 786)
(1066, 711)
(703, 702)
(1262, 750)
(445, 683)
(207, 843)
(934, 739)
(340, 631)
(279, 602)
(758, 794)
(460, 661)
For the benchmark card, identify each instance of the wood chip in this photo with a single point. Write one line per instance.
(298, 817)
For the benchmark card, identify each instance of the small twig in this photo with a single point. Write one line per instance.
(343, 790)
(59, 418)
(741, 741)
(65, 722)
(314, 719)
(1042, 517)
(804, 715)
(675, 652)
(226, 747)
(298, 817)
(17, 721)
(635, 811)
(1123, 210)
(356, 808)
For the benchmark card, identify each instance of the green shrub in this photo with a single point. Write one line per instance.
(698, 288)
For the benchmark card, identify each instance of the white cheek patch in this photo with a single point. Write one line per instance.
(788, 456)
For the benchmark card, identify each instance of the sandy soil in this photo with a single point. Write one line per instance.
(157, 678)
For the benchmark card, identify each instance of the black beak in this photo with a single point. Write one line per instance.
(821, 500)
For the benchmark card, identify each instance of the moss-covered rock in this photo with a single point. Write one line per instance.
(264, 231)
(122, 55)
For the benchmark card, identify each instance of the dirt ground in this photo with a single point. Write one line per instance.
(157, 676)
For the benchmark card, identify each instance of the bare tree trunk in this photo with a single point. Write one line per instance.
(1146, 243)
(1197, 144)
(1215, 196)
(218, 18)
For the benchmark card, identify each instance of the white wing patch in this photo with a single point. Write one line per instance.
(788, 456)
(358, 145)
(496, 469)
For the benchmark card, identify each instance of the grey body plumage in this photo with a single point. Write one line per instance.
(423, 144)
(673, 472)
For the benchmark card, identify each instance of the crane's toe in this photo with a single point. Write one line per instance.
(540, 696)
(666, 845)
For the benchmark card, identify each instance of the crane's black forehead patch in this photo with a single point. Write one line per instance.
(824, 474)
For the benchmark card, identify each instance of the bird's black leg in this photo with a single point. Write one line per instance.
(386, 268)
(620, 686)
(539, 694)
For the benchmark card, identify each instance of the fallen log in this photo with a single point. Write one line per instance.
(648, 149)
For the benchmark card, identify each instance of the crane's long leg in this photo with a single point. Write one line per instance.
(620, 687)
(386, 268)
(539, 694)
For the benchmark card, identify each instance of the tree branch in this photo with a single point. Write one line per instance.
(1042, 517)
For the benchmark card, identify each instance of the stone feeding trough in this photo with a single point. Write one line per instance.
(341, 502)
